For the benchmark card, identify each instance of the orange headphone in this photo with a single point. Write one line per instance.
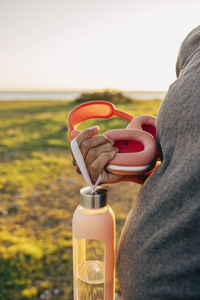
(136, 144)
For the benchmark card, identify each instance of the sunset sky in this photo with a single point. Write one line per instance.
(92, 44)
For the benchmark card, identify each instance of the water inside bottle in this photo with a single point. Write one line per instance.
(90, 280)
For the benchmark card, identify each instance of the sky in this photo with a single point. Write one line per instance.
(92, 44)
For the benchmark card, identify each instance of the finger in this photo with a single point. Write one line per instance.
(75, 133)
(78, 170)
(86, 134)
(94, 153)
(92, 145)
(97, 166)
(107, 177)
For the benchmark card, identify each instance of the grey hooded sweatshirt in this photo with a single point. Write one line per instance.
(159, 249)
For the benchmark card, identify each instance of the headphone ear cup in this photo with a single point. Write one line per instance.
(144, 122)
(136, 147)
(129, 126)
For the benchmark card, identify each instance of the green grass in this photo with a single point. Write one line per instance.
(39, 190)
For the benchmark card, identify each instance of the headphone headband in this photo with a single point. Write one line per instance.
(92, 110)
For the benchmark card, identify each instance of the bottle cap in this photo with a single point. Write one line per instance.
(91, 200)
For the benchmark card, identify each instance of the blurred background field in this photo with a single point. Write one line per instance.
(54, 50)
(39, 190)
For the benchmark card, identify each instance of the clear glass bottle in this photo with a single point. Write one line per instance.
(93, 230)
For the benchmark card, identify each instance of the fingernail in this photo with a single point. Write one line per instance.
(116, 149)
(95, 128)
(112, 153)
(111, 141)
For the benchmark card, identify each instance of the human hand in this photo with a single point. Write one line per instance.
(97, 151)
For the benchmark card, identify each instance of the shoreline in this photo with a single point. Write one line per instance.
(71, 95)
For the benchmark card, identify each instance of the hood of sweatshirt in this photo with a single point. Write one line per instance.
(189, 47)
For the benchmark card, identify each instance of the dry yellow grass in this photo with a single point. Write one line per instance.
(39, 190)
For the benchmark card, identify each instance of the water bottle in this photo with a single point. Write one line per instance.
(93, 230)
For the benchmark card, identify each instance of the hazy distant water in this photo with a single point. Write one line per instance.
(145, 95)
(39, 95)
(71, 95)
